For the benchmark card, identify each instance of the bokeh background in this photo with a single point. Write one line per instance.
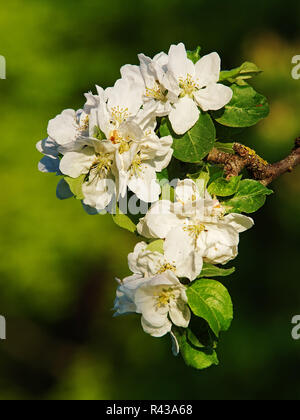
(57, 264)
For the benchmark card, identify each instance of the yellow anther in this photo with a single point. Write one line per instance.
(120, 115)
(188, 86)
(194, 231)
(164, 298)
(157, 92)
(166, 267)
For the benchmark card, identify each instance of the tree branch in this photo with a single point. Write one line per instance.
(259, 169)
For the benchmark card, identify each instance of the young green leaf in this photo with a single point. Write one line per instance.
(98, 134)
(223, 188)
(123, 221)
(75, 185)
(194, 55)
(246, 71)
(225, 147)
(246, 108)
(193, 146)
(211, 301)
(194, 353)
(250, 197)
(210, 270)
(163, 175)
(156, 246)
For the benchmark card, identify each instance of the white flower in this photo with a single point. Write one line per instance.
(96, 161)
(157, 295)
(151, 77)
(162, 301)
(64, 133)
(117, 105)
(197, 226)
(142, 156)
(194, 85)
(147, 263)
(124, 302)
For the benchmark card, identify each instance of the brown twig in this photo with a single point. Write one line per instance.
(258, 168)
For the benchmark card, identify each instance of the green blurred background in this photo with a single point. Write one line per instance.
(57, 264)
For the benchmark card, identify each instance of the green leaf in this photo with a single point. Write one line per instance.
(193, 146)
(194, 55)
(225, 147)
(215, 172)
(98, 134)
(246, 108)
(250, 197)
(195, 354)
(163, 175)
(210, 270)
(156, 246)
(75, 185)
(246, 71)
(123, 221)
(211, 301)
(223, 188)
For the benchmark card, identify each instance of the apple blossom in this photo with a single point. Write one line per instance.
(161, 300)
(120, 141)
(194, 85)
(198, 226)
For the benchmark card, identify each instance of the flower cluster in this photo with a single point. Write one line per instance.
(111, 145)
(187, 233)
(148, 137)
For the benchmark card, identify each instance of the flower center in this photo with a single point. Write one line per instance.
(157, 92)
(166, 267)
(194, 231)
(103, 165)
(164, 298)
(136, 165)
(188, 86)
(116, 138)
(85, 124)
(119, 115)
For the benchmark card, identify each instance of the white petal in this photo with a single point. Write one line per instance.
(179, 65)
(64, 128)
(146, 303)
(156, 332)
(159, 221)
(134, 257)
(214, 97)
(49, 164)
(175, 345)
(63, 191)
(99, 193)
(184, 115)
(180, 252)
(48, 147)
(75, 164)
(180, 314)
(144, 184)
(125, 95)
(208, 69)
(147, 72)
(162, 59)
(239, 222)
(133, 73)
